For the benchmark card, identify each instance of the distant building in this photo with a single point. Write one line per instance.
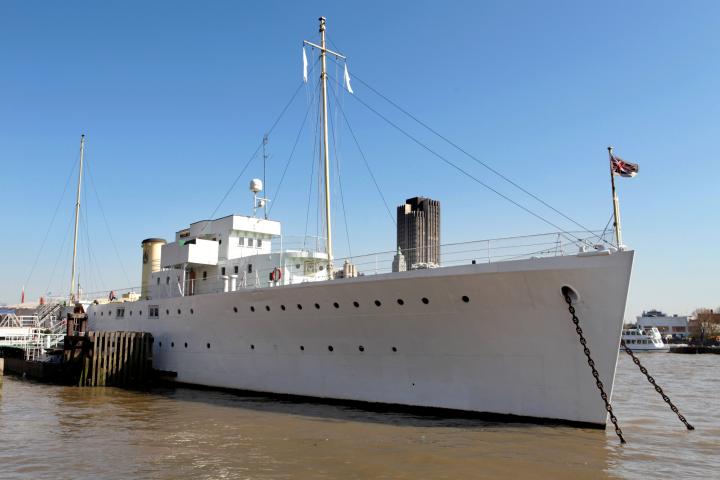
(668, 326)
(399, 264)
(418, 231)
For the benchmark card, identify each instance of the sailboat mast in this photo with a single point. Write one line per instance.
(326, 150)
(77, 218)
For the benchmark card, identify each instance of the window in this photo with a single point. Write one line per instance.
(204, 274)
(241, 241)
(120, 312)
(259, 242)
(249, 267)
(236, 269)
(222, 270)
(250, 242)
(158, 280)
(154, 311)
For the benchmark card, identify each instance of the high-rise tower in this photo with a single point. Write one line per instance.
(418, 231)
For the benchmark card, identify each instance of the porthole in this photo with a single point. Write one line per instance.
(172, 344)
(179, 312)
(299, 306)
(167, 281)
(302, 347)
(425, 300)
(317, 305)
(297, 266)
(102, 313)
(267, 308)
(394, 349)
(192, 312)
(235, 309)
(401, 301)
(207, 345)
(140, 312)
(336, 305)
(356, 304)
(252, 347)
(110, 313)
(465, 298)
(361, 348)
(330, 348)
(377, 303)
(159, 344)
(185, 344)
(167, 312)
(282, 307)
(252, 309)
(131, 313)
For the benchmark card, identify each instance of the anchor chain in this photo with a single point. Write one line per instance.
(657, 387)
(595, 373)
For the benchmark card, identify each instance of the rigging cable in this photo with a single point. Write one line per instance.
(460, 169)
(367, 164)
(57, 259)
(312, 174)
(292, 152)
(339, 177)
(257, 150)
(468, 154)
(52, 221)
(91, 182)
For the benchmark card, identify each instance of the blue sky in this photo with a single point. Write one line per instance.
(175, 96)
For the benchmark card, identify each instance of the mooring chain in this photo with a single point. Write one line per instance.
(657, 387)
(595, 373)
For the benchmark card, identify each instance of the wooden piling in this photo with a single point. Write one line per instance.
(109, 358)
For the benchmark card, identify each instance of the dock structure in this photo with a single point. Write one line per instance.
(120, 359)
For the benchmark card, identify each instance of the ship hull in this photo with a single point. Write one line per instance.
(491, 338)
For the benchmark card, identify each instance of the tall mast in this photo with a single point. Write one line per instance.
(77, 218)
(326, 149)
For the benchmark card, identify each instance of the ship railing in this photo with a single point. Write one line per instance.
(34, 343)
(479, 251)
(450, 254)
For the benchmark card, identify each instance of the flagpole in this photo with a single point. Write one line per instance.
(616, 203)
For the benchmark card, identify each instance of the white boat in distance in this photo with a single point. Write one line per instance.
(230, 304)
(644, 340)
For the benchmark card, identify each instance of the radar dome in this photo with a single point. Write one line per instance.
(256, 185)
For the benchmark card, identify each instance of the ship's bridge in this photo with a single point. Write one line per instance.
(230, 253)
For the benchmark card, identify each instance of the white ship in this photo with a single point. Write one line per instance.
(644, 340)
(230, 304)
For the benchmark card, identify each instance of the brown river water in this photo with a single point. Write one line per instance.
(73, 433)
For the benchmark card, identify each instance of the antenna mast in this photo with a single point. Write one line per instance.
(77, 218)
(265, 157)
(326, 149)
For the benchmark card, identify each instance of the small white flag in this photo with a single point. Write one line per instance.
(304, 66)
(346, 77)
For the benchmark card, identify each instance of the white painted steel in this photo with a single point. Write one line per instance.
(512, 349)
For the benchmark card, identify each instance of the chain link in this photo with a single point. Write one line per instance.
(657, 387)
(595, 373)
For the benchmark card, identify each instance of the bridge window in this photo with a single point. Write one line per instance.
(154, 311)
(120, 312)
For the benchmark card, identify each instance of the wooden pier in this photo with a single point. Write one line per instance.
(120, 359)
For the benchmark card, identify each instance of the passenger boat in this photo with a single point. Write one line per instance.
(644, 340)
